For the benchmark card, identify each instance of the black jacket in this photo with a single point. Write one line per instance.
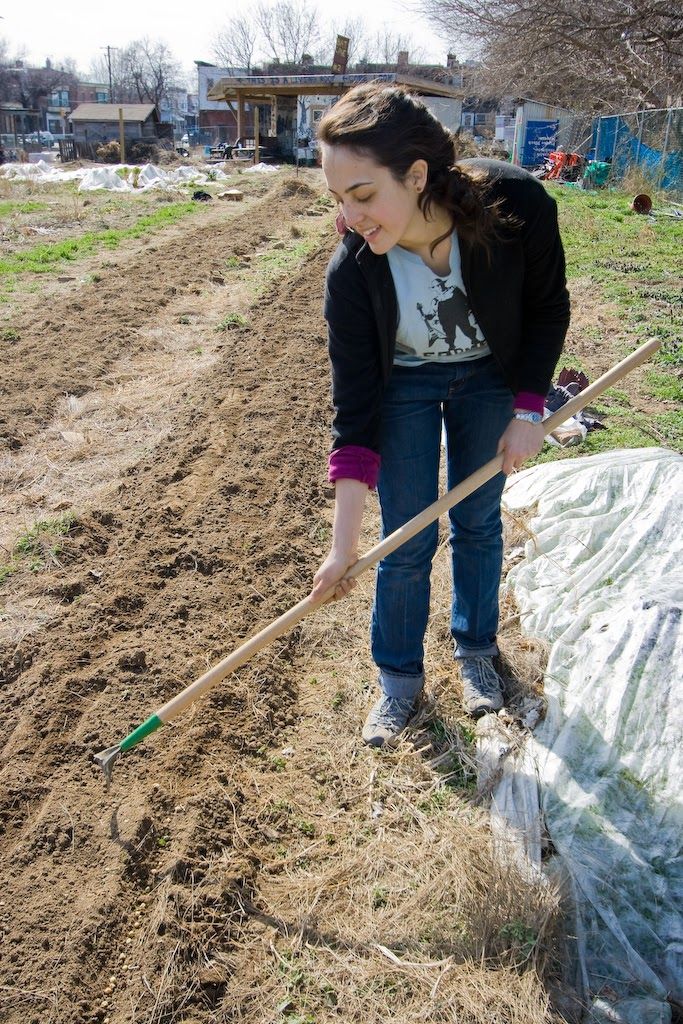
(517, 293)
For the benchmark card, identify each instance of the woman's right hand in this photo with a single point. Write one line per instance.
(331, 572)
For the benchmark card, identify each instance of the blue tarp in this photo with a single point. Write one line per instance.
(614, 141)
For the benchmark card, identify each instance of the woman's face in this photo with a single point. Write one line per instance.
(380, 208)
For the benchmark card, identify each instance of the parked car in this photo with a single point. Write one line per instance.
(41, 138)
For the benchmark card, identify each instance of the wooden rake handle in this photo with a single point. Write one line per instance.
(305, 607)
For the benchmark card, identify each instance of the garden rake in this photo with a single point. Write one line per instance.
(107, 758)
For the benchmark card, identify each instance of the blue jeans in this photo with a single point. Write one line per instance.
(475, 406)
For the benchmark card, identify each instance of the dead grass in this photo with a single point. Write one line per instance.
(383, 899)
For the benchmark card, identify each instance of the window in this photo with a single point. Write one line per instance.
(101, 97)
(316, 117)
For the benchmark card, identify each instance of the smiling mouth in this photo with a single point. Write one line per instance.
(367, 235)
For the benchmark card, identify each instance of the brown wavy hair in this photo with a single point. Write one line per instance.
(395, 128)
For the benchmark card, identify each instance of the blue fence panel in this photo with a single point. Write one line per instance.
(616, 140)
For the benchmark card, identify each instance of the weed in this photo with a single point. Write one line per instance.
(39, 546)
(233, 262)
(31, 540)
(456, 775)
(380, 897)
(9, 334)
(231, 322)
(468, 733)
(438, 730)
(280, 261)
(320, 532)
(339, 700)
(436, 802)
(278, 764)
(279, 807)
(307, 828)
(7, 569)
(520, 937)
(184, 319)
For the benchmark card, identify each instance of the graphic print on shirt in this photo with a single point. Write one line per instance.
(449, 320)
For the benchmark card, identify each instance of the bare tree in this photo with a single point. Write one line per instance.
(367, 47)
(151, 70)
(387, 45)
(290, 29)
(235, 44)
(141, 72)
(602, 56)
(29, 86)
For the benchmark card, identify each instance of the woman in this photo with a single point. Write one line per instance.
(446, 305)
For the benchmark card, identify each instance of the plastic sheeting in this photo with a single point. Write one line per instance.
(602, 581)
(137, 179)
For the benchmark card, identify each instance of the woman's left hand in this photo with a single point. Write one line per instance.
(521, 441)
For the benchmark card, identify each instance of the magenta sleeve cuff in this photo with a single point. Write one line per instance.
(354, 463)
(530, 402)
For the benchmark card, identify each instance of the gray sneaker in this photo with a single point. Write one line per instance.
(387, 719)
(482, 687)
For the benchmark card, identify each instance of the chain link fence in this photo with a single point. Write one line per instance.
(648, 140)
(651, 140)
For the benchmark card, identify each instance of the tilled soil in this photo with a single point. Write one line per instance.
(252, 861)
(204, 541)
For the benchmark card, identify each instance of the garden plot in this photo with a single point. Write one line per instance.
(165, 422)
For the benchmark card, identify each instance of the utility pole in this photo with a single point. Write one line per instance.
(111, 86)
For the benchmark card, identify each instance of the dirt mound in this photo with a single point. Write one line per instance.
(298, 187)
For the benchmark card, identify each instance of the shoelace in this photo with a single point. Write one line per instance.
(393, 710)
(487, 681)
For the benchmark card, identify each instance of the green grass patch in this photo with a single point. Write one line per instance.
(670, 426)
(38, 547)
(44, 258)
(633, 260)
(664, 385)
(12, 206)
(275, 262)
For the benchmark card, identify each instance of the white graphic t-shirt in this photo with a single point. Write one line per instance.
(435, 319)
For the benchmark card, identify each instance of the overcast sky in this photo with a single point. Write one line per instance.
(80, 28)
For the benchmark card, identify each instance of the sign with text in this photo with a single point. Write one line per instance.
(539, 140)
(341, 55)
